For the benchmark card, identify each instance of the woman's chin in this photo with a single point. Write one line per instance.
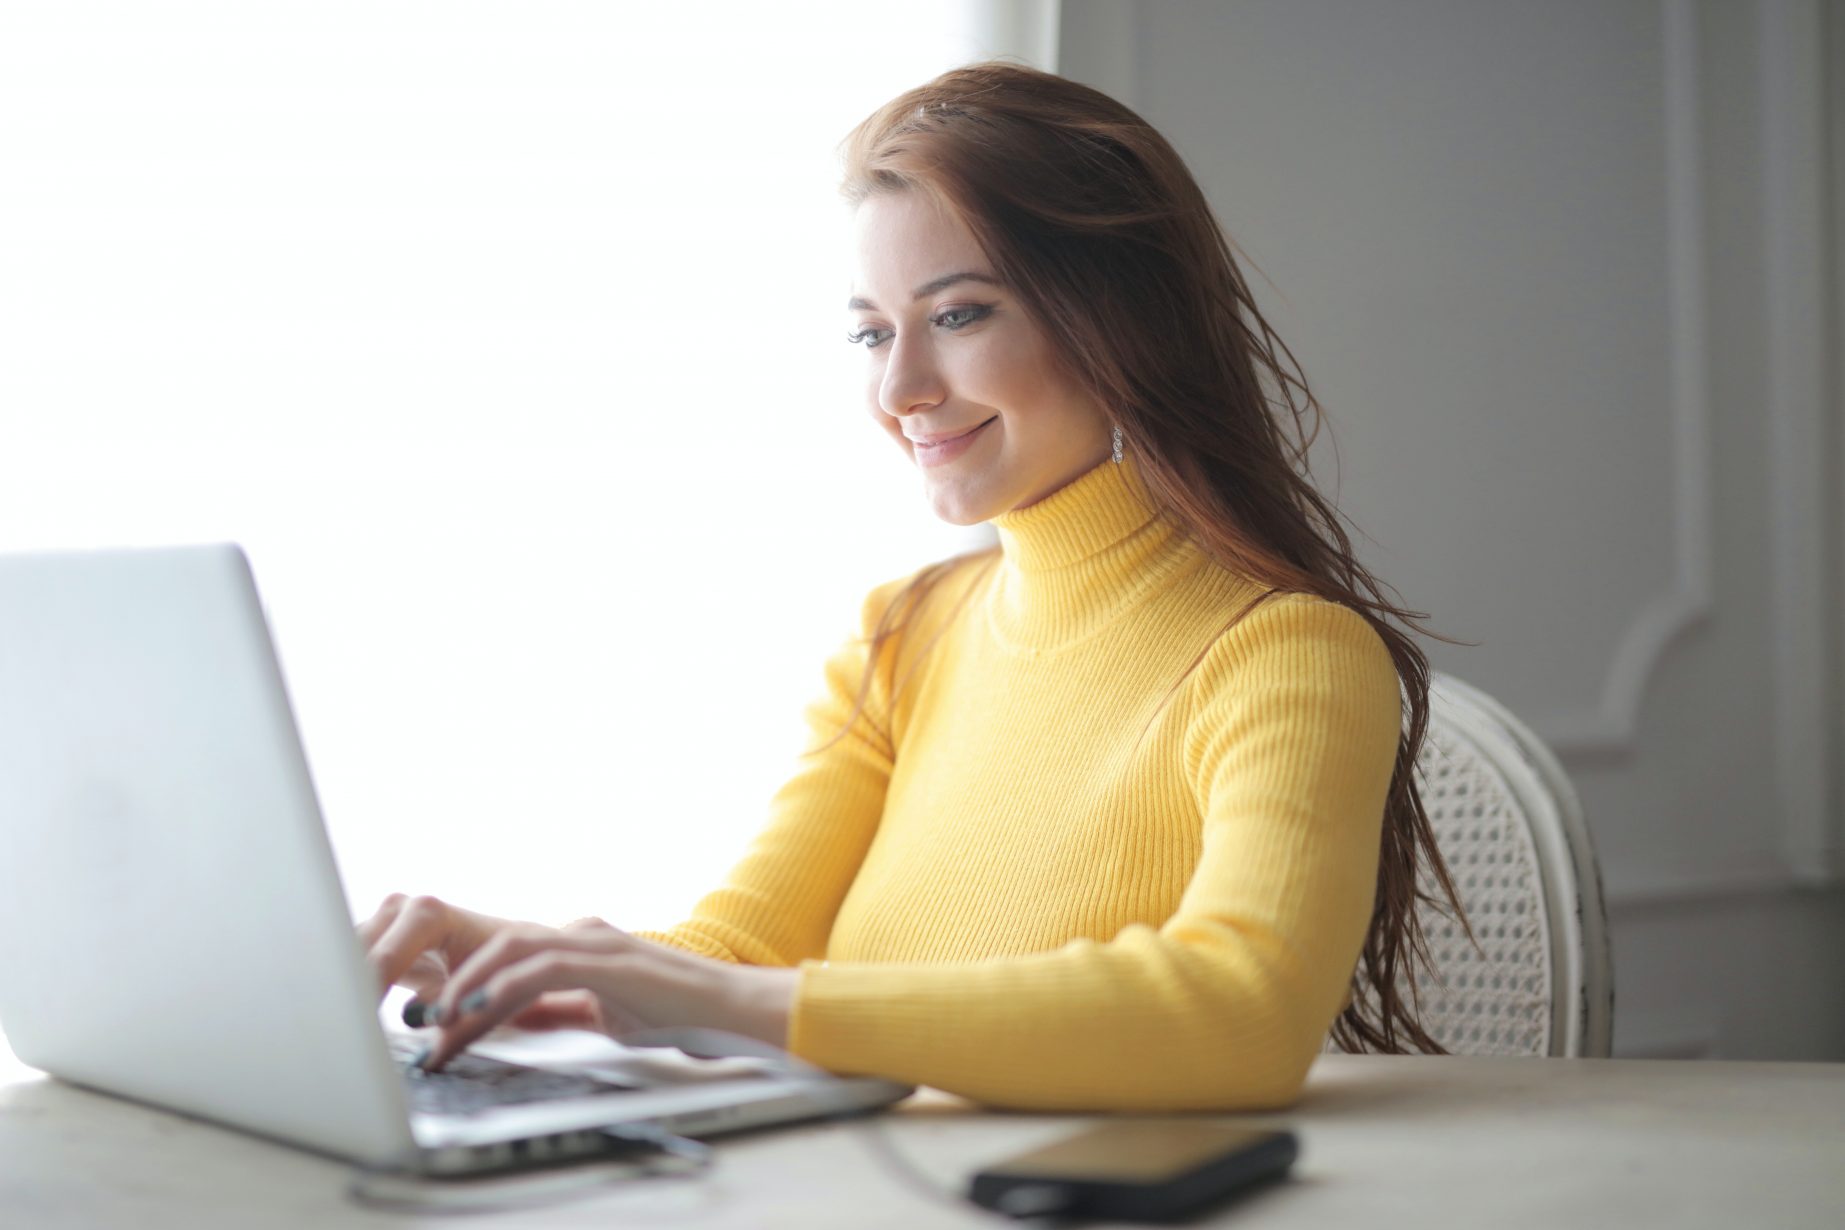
(960, 503)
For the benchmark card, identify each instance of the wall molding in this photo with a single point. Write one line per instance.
(1610, 724)
(1796, 327)
(1607, 724)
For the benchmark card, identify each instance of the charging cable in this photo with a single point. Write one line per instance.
(661, 1154)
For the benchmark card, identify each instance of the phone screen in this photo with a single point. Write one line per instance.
(1133, 1152)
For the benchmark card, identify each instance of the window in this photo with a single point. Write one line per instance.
(508, 341)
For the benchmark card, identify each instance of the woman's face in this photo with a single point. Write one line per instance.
(951, 351)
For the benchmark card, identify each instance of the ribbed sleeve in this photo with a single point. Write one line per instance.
(1288, 749)
(778, 903)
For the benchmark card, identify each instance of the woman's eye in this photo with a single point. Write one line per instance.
(961, 317)
(952, 319)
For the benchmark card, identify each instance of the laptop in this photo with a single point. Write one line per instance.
(172, 925)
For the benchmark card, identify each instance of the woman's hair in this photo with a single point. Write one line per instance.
(1093, 220)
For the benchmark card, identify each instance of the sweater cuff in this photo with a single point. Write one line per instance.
(818, 1018)
(688, 941)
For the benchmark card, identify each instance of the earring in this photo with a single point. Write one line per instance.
(1117, 445)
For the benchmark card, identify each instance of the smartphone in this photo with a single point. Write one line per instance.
(1136, 1170)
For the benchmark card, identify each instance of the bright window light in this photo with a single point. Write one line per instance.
(509, 341)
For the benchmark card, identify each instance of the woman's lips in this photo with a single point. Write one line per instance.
(948, 450)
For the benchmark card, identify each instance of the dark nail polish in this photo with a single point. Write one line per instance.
(475, 1002)
(413, 1013)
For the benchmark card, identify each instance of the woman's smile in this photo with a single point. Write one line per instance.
(944, 451)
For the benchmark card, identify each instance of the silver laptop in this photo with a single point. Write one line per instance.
(172, 925)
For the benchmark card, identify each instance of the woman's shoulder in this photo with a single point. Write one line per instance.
(1296, 636)
(921, 597)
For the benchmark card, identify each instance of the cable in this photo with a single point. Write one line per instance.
(406, 1191)
(671, 1156)
(1043, 1207)
(401, 1190)
(872, 1133)
(696, 1152)
(720, 1044)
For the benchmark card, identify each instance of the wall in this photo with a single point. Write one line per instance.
(1564, 278)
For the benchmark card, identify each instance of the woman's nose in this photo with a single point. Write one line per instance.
(911, 378)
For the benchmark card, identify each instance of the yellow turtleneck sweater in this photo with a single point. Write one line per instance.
(1000, 887)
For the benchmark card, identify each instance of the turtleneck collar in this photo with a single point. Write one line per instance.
(1081, 556)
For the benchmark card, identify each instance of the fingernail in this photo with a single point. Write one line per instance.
(416, 1013)
(432, 1014)
(474, 1002)
(422, 1056)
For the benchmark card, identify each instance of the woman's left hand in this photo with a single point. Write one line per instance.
(599, 977)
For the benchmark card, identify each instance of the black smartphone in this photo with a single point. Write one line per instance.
(1136, 1170)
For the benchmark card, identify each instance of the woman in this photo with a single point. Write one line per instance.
(1115, 816)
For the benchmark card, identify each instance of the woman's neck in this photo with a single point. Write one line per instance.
(1075, 559)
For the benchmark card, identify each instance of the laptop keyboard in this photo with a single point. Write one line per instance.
(469, 1083)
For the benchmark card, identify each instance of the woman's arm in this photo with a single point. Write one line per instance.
(1290, 746)
(778, 904)
(776, 908)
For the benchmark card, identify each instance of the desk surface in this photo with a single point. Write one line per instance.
(1385, 1141)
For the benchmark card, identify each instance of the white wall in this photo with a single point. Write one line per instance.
(1558, 274)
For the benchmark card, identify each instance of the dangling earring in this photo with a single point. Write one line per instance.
(1117, 445)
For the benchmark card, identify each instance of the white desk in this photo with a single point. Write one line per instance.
(1385, 1141)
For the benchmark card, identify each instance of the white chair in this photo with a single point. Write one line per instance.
(1509, 825)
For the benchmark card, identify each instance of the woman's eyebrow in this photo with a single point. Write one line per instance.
(928, 288)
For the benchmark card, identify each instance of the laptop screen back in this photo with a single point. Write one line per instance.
(172, 926)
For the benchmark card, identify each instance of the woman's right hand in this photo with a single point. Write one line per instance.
(419, 942)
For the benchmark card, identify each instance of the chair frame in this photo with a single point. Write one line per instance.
(1582, 965)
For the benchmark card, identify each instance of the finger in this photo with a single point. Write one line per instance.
(421, 924)
(373, 927)
(424, 978)
(506, 946)
(514, 989)
(560, 1010)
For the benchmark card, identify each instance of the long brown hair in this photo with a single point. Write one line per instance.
(1093, 220)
